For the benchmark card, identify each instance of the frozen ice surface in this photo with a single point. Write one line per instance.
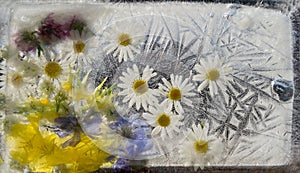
(252, 113)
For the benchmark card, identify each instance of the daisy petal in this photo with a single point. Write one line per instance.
(156, 131)
(203, 85)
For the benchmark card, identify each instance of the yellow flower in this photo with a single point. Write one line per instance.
(44, 101)
(87, 156)
(48, 114)
(27, 146)
(42, 152)
(34, 105)
(103, 97)
(67, 86)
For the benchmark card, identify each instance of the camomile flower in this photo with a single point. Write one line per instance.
(18, 85)
(55, 66)
(20, 78)
(28, 66)
(135, 87)
(80, 40)
(82, 44)
(199, 149)
(177, 92)
(79, 46)
(213, 73)
(122, 39)
(164, 121)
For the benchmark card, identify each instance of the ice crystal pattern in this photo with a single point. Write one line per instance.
(245, 106)
(243, 97)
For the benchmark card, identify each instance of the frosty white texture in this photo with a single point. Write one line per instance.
(255, 41)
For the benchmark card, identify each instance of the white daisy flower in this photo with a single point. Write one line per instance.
(56, 66)
(29, 67)
(164, 121)
(81, 47)
(199, 150)
(122, 39)
(177, 92)
(213, 73)
(83, 44)
(135, 87)
(18, 85)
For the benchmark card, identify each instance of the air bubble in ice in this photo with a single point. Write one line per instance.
(283, 88)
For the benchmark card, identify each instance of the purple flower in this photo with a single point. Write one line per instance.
(65, 126)
(51, 31)
(27, 41)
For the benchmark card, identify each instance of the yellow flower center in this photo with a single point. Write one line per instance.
(52, 69)
(79, 47)
(17, 80)
(201, 146)
(212, 75)
(44, 101)
(140, 86)
(175, 94)
(124, 39)
(163, 120)
(67, 86)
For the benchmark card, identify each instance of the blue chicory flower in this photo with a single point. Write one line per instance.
(138, 133)
(91, 123)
